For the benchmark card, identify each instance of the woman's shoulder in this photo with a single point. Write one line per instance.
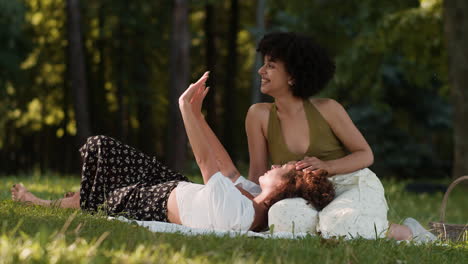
(329, 108)
(260, 107)
(259, 110)
(325, 103)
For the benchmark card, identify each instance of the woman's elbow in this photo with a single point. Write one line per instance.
(369, 157)
(204, 162)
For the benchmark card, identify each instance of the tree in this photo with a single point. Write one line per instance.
(14, 48)
(259, 32)
(179, 72)
(77, 70)
(456, 33)
(122, 74)
(230, 86)
(210, 50)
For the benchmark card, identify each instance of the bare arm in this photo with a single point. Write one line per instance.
(190, 107)
(223, 159)
(360, 152)
(361, 155)
(256, 136)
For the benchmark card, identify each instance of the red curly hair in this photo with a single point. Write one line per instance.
(313, 186)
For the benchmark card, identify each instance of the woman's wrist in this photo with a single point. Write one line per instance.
(184, 106)
(200, 116)
(330, 167)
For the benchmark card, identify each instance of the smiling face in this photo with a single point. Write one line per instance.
(275, 79)
(274, 178)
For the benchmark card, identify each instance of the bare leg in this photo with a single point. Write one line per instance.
(69, 194)
(20, 194)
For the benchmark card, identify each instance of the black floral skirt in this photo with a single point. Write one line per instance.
(121, 180)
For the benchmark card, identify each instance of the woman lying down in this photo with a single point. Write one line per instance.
(123, 181)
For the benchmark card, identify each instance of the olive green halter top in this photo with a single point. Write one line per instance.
(323, 143)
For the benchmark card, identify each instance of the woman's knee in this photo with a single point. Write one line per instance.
(98, 140)
(95, 143)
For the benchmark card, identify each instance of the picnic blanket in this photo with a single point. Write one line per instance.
(359, 210)
(163, 227)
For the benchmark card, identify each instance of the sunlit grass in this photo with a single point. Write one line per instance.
(53, 235)
(425, 207)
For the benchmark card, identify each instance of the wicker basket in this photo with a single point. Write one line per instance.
(445, 231)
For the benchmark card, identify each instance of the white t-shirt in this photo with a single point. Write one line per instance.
(217, 205)
(249, 186)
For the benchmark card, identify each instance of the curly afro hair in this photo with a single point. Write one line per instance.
(313, 186)
(308, 64)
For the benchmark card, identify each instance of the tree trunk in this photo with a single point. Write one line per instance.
(456, 32)
(146, 133)
(123, 116)
(230, 86)
(77, 71)
(179, 73)
(99, 108)
(210, 50)
(259, 32)
(67, 160)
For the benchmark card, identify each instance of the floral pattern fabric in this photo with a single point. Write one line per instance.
(123, 181)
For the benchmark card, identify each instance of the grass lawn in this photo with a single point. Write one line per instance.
(50, 235)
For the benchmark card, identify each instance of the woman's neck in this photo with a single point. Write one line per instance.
(262, 198)
(289, 104)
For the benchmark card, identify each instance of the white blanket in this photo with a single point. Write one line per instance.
(162, 227)
(359, 210)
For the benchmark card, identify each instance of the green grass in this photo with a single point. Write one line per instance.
(50, 235)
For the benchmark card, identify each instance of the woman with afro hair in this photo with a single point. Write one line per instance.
(316, 133)
(120, 180)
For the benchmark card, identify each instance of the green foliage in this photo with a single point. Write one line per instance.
(404, 76)
(13, 45)
(391, 75)
(412, 142)
(335, 24)
(32, 234)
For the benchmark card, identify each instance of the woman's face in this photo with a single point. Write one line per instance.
(274, 178)
(274, 76)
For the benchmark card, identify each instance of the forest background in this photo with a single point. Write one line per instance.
(70, 69)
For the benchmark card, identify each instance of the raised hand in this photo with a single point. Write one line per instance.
(194, 95)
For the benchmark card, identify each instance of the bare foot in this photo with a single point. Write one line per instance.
(69, 194)
(19, 193)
